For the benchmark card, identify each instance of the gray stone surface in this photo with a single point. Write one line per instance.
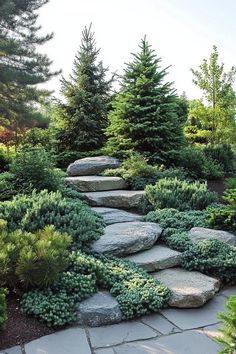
(13, 350)
(100, 309)
(160, 323)
(119, 333)
(114, 199)
(113, 216)
(212, 331)
(196, 318)
(200, 233)
(95, 183)
(104, 351)
(228, 291)
(126, 238)
(190, 342)
(70, 341)
(157, 258)
(92, 165)
(189, 289)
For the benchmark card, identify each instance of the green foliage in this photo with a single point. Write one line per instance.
(222, 154)
(30, 260)
(181, 195)
(33, 168)
(228, 319)
(4, 160)
(144, 117)
(179, 241)
(3, 308)
(213, 258)
(38, 137)
(230, 183)
(7, 188)
(138, 173)
(33, 212)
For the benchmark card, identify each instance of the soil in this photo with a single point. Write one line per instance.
(20, 328)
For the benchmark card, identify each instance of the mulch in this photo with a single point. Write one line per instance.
(20, 328)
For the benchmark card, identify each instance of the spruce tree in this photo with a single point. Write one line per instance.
(144, 116)
(22, 68)
(83, 116)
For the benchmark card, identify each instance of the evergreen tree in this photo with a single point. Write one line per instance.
(144, 116)
(83, 116)
(21, 66)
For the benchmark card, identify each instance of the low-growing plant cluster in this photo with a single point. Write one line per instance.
(136, 292)
(228, 332)
(3, 308)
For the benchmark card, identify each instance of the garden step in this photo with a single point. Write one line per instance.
(95, 183)
(92, 165)
(100, 309)
(114, 199)
(200, 233)
(126, 238)
(113, 216)
(156, 258)
(189, 289)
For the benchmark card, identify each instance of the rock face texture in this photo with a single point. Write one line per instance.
(200, 233)
(95, 183)
(126, 238)
(113, 216)
(189, 289)
(156, 258)
(92, 165)
(100, 309)
(114, 199)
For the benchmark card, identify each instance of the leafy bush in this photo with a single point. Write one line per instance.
(138, 173)
(33, 212)
(4, 160)
(7, 188)
(32, 259)
(178, 240)
(213, 258)
(181, 195)
(3, 308)
(33, 168)
(230, 183)
(137, 292)
(38, 137)
(229, 330)
(221, 153)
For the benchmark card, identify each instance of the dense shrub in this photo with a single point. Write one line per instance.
(230, 183)
(137, 292)
(33, 212)
(229, 330)
(178, 240)
(38, 137)
(3, 308)
(4, 160)
(29, 259)
(7, 187)
(221, 153)
(213, 258)
(181, 195)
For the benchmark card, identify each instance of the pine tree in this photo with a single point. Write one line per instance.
(83, 116)
(21, 66)
(144, 116)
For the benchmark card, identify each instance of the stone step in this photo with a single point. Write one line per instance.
(156, 258)
(113, 216)
(189, 289)
(200, 233)
(126, 238)
(114, 199)
(92, 165)
(99, 310)
(95, 183)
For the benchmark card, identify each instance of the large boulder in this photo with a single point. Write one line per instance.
(189, 289)
(114, 199)
(200, 233)
(92, 165)
(113, 216)
(95, 183)
(127, 238)
(100, 309)
(156, 258)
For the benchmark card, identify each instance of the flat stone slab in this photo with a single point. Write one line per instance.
(196, 318)
(100, 309)
(200, 233)
(113, 216)
(156, 258)
(114, 199)
(92, 165)
(70, 341)
(126, 238)
(228, 291)
(119, 333)
(191, 342)
(160, 324)
(13, 350)
(189, 289)
(95, 183)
